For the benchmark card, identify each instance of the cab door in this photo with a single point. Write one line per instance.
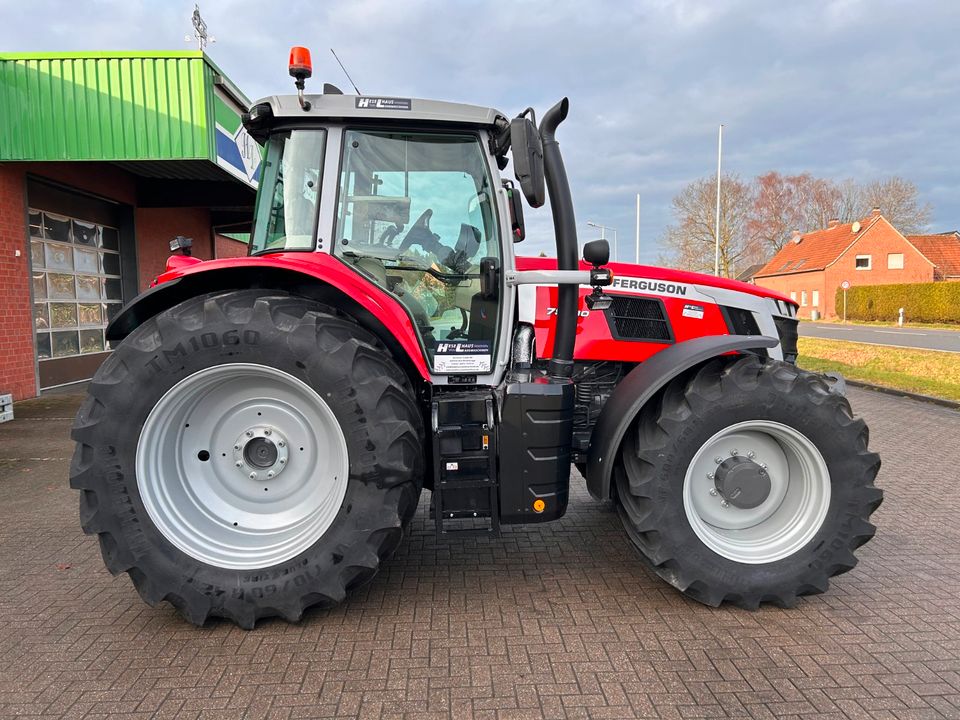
(417, 214)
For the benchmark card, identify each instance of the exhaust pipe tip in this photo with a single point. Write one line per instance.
(553, 117)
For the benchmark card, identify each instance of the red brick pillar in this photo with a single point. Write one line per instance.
(17, 363)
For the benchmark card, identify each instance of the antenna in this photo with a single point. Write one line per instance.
(200, 34)
(346, 73)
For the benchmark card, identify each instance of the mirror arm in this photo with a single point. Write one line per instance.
(548, 277)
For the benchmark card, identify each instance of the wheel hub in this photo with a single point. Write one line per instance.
(742, 482)
(260, 452)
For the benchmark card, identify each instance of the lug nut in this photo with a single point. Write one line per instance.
(282, 460)
(267, 431)
(236, 447)
(734, 452)
(280, 443)
(718, 460)
(249, 433)
(724, 503)
(713, 491)
(253, 476)
(709, 476)
(751, 454)
(763, 466)
(239, 463)
(270, 474)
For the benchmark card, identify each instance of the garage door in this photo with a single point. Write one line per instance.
(77, 290)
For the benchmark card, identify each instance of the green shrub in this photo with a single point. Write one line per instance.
(933, 302)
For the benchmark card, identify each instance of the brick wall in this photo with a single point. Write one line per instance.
(17, 374)
(227, 247)
(795, 284)
(156, 227)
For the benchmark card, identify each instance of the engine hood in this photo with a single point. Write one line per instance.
(666, 275)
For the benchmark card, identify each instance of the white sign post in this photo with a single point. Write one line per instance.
(846, 286)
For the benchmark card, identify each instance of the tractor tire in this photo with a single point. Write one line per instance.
(246, 455)
(748, 482)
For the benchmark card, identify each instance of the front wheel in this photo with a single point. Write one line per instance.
(247, 455)
(750, 482)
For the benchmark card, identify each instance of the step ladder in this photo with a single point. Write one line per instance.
(465, 488)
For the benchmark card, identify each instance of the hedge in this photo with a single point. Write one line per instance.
(933, 302)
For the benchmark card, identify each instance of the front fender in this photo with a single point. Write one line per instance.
(315, 275)
(641, 384)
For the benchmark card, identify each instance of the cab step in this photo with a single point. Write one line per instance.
(465, 489)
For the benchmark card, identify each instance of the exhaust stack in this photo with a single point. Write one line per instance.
(565, 229)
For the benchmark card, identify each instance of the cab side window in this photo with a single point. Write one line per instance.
(415, 215)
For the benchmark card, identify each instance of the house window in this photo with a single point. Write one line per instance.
(863, 262)
(793, 295)
(895, 261)
(803, 298)
(816, 298)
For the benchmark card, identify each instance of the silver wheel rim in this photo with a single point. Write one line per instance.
(242, 466)
(793, 511)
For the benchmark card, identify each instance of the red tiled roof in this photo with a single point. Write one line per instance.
(942, 250)
(816, 249)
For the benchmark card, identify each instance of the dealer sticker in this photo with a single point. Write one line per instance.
(693, 311)
(462, 356)
(366, 102)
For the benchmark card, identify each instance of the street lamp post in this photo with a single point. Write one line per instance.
(603, 236)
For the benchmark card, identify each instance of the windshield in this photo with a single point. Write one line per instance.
(286, 215)
(416, 216)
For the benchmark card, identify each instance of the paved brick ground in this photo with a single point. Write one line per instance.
(554, 622)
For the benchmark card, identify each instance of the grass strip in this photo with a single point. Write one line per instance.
(928, 372)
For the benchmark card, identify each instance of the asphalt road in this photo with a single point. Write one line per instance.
(947, 340)
(557, 621)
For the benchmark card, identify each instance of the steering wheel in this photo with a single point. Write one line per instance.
(421, 234)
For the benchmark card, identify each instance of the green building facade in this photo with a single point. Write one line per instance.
(104, 158)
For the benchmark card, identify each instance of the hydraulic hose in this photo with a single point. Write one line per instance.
(565, 229)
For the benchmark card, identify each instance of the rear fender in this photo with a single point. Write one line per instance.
(640, 385)
(314, 275)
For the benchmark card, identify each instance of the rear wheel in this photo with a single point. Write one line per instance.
(244, 456)
(750, 482)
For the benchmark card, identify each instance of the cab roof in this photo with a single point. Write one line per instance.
(378, 107)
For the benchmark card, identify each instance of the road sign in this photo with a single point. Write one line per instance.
(845, 284)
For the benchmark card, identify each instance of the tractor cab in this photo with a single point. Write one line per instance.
(407, 194)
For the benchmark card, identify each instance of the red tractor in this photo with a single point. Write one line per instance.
(259, 439)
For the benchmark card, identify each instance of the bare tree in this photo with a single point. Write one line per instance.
(850, 203)
(758, 217)
(899, 202)
(784, 203)
(897, 198)
(691, 240)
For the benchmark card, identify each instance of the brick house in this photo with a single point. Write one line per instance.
(104, 158)
(811, 266)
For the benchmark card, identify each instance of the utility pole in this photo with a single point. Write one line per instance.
(716, 259)
(638, 229)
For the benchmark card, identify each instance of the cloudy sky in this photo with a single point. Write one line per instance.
(853, 88)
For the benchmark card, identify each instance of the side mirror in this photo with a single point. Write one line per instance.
(528, 159)
(597, 252)
(517, 228)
